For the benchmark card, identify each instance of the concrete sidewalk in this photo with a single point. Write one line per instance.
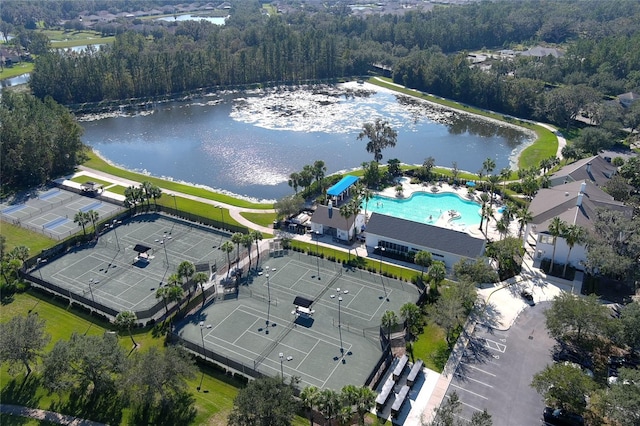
(49, 416)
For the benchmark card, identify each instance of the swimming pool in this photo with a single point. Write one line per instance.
(427, 208)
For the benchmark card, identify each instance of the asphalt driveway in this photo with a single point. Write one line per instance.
(498, 366)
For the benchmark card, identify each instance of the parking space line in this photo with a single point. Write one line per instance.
(466, 390)
(480, 369)
(492, 344)
(472, 379)
(471, 406)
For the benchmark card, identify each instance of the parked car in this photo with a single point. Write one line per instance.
(560, 417)
(526, 295)
(567, 354)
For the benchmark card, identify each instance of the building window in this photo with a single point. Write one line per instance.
(545, 239)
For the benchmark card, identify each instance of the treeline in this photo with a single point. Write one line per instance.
(602, 40)
(38, 140)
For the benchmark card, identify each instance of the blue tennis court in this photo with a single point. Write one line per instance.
(91, 206)
(55, 223)
(49, 194)
(13, 209)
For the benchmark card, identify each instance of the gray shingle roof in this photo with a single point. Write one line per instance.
(321, 216)
(561, 201)
(419, 234)
(595, 169)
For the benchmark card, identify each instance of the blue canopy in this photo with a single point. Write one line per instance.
(470, 183)
(342, 185)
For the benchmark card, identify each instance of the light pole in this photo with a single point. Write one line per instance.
(204, 354)
(175, 203)
(281, 355)
(40, 260)
(318, 252)
(268, 302)
(91, 291)
(164, 245)
(340, 324)
(221, 214)
(112, 225)
(381, 249)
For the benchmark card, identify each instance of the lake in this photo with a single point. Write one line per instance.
(248, 143)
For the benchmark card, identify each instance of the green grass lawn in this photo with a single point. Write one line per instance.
(17, 236)
(83, 179)
(262, 219)
(16, 70)
(97, 163)
(431, 347)
(117, 189)
(62, 38)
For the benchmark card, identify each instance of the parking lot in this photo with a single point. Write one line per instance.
(498, 366)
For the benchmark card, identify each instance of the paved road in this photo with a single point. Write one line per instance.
(497, 368)
(50, 416)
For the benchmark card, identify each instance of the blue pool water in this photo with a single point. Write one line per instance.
(427, 208)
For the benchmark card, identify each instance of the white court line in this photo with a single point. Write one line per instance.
(479, 369)
(466, 390)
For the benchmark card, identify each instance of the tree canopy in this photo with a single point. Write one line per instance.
(39, 140)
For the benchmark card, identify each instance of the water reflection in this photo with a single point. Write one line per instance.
(248, 143)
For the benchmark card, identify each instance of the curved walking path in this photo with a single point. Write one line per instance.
(50, 416)
(234, 211)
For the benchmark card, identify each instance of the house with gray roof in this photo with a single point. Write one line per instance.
(575, 203)
(594, 169)
(403, 236)
(541, 52)
(627, 99)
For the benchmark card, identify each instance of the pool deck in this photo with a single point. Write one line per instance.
(444, 221)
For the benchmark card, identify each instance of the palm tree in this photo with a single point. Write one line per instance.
(227, 247)
(389, 320)
(155, 192)
(81, 219)
(125, 320)
(502, 226)
(437, 272)
(455, 171)
(146, 192)
(505, 174)
(485, 199)
(294, 181)
(175, 294)
(493, 180)
(412, 316)
(556, 229)
(309, 397)
(247, 242)
(186, 270)
(423, 259)
(236, 239)
(199, 279)
(163, 293)
(573, 234)
(524, 217)
(380, 136)
(93, 217)
(366, 399)
(488, 214)
(319, 169)
(328, 403)
(488, 165)
(257, 237)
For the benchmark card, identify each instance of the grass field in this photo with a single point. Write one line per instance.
(214, 403)
(16, 70)
(97, 163)
(17, 236)
(83, 179)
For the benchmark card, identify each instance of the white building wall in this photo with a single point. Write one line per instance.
(449, 259)
(578, 252)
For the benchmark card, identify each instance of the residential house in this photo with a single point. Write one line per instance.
(541, 52)
(404, 236)
(594, 169)
(575, 203)
(627, 99)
